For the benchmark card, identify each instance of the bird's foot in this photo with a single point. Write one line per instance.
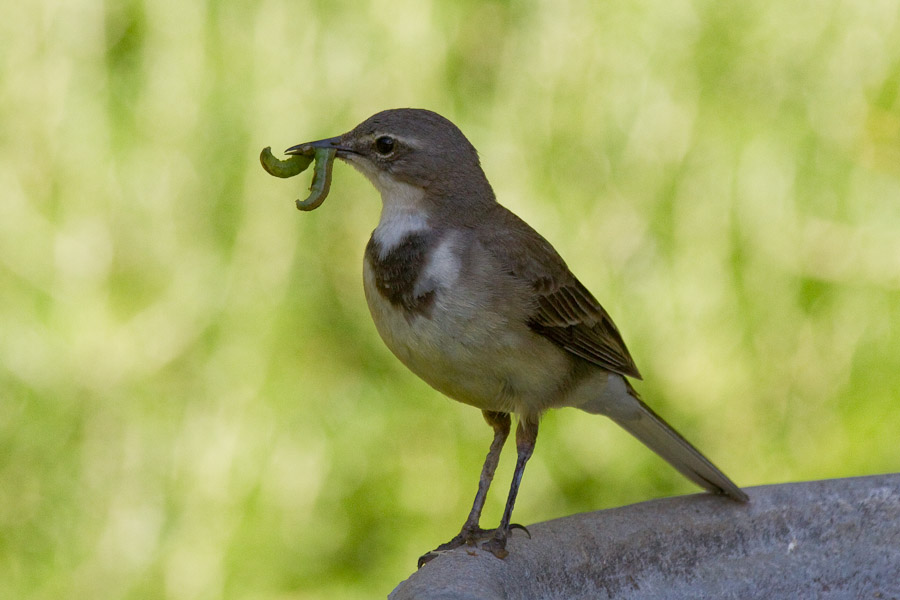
(471, 536)
(497, 544)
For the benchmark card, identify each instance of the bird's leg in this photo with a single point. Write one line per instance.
(500, 423)
(526, 435)
(471, 532)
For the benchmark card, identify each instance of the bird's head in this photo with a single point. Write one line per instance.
(413, 147)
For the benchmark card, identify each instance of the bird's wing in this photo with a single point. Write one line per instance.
(564, 311)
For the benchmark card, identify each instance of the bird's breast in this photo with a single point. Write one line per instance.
(452, 322)
(395, 274)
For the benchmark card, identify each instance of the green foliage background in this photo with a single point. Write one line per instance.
(194, 403)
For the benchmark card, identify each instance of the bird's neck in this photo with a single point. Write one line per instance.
(404, 211)
(408, 209)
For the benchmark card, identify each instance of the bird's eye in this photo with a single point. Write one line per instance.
(384, 145)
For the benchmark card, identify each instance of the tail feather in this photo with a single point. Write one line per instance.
(639, 420)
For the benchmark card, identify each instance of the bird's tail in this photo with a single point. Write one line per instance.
(640, 421)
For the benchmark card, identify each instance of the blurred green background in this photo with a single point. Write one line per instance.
(194, 403)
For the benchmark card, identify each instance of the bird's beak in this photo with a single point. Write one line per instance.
(306, 148)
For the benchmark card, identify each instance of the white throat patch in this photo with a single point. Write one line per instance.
(402, 209)
(402, 213)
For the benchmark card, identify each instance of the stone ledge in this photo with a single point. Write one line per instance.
(829, 539)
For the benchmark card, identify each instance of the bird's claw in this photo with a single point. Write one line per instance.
(497, 545)
(428, 557)
(522, 527)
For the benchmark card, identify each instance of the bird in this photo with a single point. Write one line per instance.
(481, 307)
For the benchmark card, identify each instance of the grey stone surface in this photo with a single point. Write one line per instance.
(822, 539)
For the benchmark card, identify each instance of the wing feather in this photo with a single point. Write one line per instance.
(564, 311)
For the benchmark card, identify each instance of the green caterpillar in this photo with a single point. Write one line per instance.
(296, 164)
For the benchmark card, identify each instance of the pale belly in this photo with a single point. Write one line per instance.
(471, 353)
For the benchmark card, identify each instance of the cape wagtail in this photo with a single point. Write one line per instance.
(475, 302)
